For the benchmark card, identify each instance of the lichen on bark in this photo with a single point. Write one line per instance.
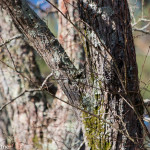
(95, 131)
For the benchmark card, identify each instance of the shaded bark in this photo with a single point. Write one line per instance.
(69, 37)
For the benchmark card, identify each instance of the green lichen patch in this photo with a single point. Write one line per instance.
(95, 132)
(36, 142)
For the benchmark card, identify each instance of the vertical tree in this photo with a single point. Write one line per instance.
(26, 116)
(112, 57)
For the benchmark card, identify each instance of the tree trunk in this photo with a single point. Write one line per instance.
(109, 90)
(69, 132)
(34, 125)
(113, 69)
(5, 127)
(29, 113)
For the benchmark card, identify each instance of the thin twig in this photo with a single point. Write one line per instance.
(10, 55)
(142, 8)
(13, 38)
(140, 30)
(44, 82)
(144, 63)
(21, 94)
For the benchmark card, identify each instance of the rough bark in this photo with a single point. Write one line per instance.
(69, 37)
(47, 45)
(65, 130)
(28, 116)
(111, 34)
(33, 127)
(111, 70)
(66, 136)
(5, 126)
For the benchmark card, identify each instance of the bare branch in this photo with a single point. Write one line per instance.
(9, 40)
(44, 82)
(141, 30)
(21, 94)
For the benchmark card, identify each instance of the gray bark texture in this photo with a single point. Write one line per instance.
(29, 122)
(109, 91)
(111, 69)
(19, 72)
(113, 62)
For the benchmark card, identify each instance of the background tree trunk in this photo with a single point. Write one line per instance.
(64, 135)
(28, 114)
(5, 127)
